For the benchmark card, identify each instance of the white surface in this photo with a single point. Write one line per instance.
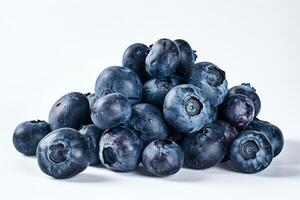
(49, 48)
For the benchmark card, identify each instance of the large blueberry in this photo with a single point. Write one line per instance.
(163, 58)
(251, 152)
(63, 153)
(134, 58)
(238, 110)
(186, 109)
(209, 78)
(187, 56)
(155, 90)
(162, 158)
(110, 111)
(250, 92)
(272, 132)
(72, 110)
(120, 80)
(120, 149)
(28, 134)
(92, 97)
(92, 136)
(230, 133)
(205, 148)
(149, 122)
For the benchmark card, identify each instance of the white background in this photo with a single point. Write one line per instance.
(49, 48)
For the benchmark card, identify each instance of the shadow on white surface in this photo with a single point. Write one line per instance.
(280, 172)
(88, 178)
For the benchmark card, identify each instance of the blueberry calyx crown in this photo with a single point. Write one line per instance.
(249, 149)
(163, 83)
(216, 76)
(109, 156)
(57, 153)
(193, 106)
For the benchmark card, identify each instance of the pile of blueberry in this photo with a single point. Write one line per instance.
(159, 109)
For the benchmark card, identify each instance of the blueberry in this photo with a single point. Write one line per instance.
(186, 108)
(248, 91)
(120, 149)
(162, 158)
(238, 110)
(251, 152)
(63, 153)
(230, 133)
(120, 80)
(92, 98)
(155, 90)
(110, 111)
(134, 58)
(163, 58)
(72, 110)
(209, 78)
(28, 134)
(214, 114)
(149, 122)
(272, 132)
(205, 148)
(92, 136)
(187, 56)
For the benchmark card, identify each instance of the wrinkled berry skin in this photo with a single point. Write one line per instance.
(209, 78)
(250, 92)
(28, 134)
(251, 152)
(63, 153)
(119, 80)
(92, 98)
(272, 132)
(155, 90)
(187, 56)
(238, 110)
(72, 110)
(230, 133)
(110, 111)
(162, 158)
(148, 121)
(134, 58)
(205, 148)
(92, 136)
(120, 149)
(186, 108)
(163, 58)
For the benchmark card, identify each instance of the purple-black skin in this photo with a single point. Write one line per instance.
(209, 78)
(63, 153)
(120, 149)
(163, 58)
(186, 108)
(155, 90)
(238, 110)
(92, 136)
(272, 132)
(251, 152)
(92, 97)
(148, 121)
(71, 110)
(119, 80)
(230, 133)
(28, 134)
(250, 92)
(205, 148)
(162, 158)
(110, 111)
(134, 58)
(187, 56)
